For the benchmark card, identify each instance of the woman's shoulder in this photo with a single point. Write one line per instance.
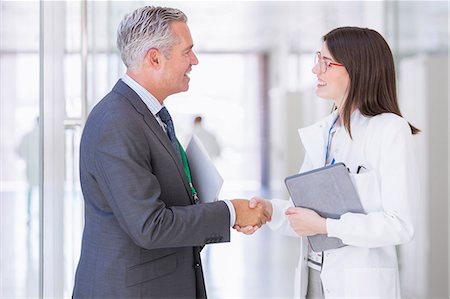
(387, 128)
(388, 122)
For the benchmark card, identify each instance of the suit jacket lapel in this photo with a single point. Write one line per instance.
(153, 124)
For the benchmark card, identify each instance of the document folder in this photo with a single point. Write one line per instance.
(330, 192)
(205, 176)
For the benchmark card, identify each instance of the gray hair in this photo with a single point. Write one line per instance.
(145, 28)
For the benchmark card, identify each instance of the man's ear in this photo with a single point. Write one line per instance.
(153, 58)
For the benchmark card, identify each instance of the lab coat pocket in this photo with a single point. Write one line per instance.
(368, 188)
(370, 283)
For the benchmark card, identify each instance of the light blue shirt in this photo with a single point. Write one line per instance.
(155, 106)
(150, 101)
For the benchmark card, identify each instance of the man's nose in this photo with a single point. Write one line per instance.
(194, 59)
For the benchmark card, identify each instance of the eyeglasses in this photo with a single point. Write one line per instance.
(324, 63)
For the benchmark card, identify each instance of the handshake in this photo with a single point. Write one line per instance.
(251, 214)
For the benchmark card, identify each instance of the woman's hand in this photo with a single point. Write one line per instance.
(306, 222)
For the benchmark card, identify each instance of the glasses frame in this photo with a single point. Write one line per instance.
(326, 62)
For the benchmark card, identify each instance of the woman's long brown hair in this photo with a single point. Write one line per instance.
(370, 65)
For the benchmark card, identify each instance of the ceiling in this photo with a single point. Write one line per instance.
(246, 26)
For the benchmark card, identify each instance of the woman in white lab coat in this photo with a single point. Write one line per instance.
(355, 69)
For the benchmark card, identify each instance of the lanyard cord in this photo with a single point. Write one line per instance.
(329, 142)
(188, 172)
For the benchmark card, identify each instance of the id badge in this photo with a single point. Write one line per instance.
(315, 260)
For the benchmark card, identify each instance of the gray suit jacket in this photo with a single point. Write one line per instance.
(143, 234)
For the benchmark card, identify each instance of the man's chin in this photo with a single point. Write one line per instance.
(185, 88)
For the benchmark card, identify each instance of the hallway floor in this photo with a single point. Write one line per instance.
(257, 266)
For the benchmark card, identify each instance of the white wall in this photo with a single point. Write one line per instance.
(423, 90)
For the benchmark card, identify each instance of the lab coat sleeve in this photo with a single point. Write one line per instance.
(392, 150)
(279, 220)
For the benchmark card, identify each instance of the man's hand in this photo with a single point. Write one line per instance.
(247, 216)
(306, 222)
(254, 203)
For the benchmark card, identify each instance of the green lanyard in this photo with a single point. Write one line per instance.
(188, 173)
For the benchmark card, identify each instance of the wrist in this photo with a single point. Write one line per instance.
(270, 208)
(323, 226)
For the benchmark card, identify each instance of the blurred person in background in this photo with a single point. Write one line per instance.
(206, 137)
(28, 150)
(144, 225)
(366, 131)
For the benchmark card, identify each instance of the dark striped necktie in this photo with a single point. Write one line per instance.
(167, 120)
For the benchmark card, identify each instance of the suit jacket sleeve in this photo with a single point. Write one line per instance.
(123, 169)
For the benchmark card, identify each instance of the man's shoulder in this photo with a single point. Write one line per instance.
(110, 103)
(113, 109)
(118, 98)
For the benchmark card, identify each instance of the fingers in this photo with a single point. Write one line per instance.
(266, 212)
(254, 201)
(248, 230)
(257, 201)
(306, 222)
(292, 211)
(251, 230)
(257, 216)
(248, 216)
(261, 214)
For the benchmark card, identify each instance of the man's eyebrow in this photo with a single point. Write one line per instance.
(189, 47)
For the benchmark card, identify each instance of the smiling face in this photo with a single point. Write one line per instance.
(176, 67)
(332, 82)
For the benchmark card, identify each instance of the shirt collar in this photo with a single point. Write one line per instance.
(150, 101)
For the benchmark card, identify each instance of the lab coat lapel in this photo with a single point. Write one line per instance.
(314, 139)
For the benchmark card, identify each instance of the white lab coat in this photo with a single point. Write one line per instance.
(367, 267)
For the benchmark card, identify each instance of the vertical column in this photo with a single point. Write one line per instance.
(52, 146)
(264, 122)
(84, 61)
(424, 102)
(436, 98)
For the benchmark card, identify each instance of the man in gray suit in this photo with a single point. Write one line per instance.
(143, 227)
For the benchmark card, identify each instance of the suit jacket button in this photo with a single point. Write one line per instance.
(197, 265)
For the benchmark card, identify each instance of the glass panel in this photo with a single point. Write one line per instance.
(103, 72)
(104, 63)
(73, 207)
(72, 82)
(19, 150)
(73, 201)
(73, 26)
(72, 59)
(13, 13)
